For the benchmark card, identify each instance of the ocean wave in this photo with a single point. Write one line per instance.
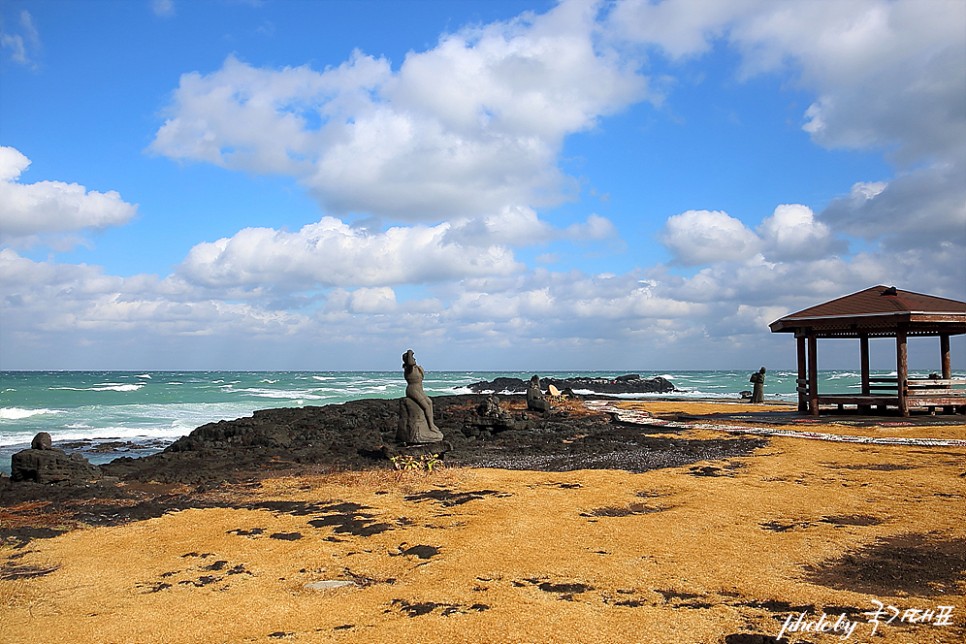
(144, 375)
(18, 413)
(98, 434)
(278, 394)
(107, 386)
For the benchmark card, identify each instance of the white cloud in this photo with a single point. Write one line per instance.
(404, 145)
(703, 237)
(373, 300)
(331, 253)
(792, 233)
(519, 226)
(916, 210)
(886, 75)
(25, 45)
(163, 8)
(679, 27)
(51, 207)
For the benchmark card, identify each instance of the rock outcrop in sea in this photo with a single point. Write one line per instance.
(631, 383)
(42, 463)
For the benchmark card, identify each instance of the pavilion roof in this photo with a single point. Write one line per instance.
(879, 311)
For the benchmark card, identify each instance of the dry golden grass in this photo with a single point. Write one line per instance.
(585, 556)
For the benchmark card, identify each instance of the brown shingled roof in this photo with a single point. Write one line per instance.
(879, 308)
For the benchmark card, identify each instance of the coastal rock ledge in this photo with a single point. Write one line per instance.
(44, 464)
(631, 383)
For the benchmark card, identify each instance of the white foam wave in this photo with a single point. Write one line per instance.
(18, 413)
(279, 394)
(107, 386)
(100, 433)
(145, 375)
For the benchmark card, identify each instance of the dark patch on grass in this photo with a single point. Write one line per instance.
(851, 519)
(777, 606)
(631, 510)
(424, 608)
(875, 467)
(631, 603)
(570, 589)
(286, 536)
(918, 564)
(448, 498)
(714, 470)
(10, 573)
(157, 587)
(777, 526)
(294, 508)
(755, 638)
(670, 595)
(20, 537)
(254, 532)
(357, 525)
(423, 552)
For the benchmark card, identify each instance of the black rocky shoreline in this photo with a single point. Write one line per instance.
(361, 434)
(631, 383)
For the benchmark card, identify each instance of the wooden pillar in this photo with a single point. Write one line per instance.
(812, 374)
(800, 383)
(864, 350)
(946, 360)
(902, 370)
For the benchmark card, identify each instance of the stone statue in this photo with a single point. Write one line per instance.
(535, 398)
(416, 423)
(758, 378)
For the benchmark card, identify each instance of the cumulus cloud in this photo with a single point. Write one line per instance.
(520, 226)
(704, 237)
(373, 300)
(74, 300)
(332, 253)
(51, 207)
(921, 208)
(886, 75)
(792, 233)
(364, 138)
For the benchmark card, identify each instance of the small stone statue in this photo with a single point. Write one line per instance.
(416, 423)
(758, 379)
(535, 398)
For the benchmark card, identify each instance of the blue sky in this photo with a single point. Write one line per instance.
(496, 184)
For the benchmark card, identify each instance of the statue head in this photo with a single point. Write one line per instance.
(409, 358)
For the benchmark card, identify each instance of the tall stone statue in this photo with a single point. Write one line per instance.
(416, 423)
(758, 378)
(535, 398)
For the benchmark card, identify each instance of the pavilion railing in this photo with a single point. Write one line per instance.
(884, 390)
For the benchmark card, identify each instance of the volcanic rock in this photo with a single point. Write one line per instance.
(626, 384)
(44, 464)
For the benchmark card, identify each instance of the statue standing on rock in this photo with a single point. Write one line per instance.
(758, 379)
(535, 398)
(416, 424)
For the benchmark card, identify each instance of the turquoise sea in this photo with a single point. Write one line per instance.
(146, 411)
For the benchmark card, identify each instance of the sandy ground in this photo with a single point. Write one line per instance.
(725, 551)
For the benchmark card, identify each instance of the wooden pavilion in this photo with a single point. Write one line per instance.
(880, 312)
